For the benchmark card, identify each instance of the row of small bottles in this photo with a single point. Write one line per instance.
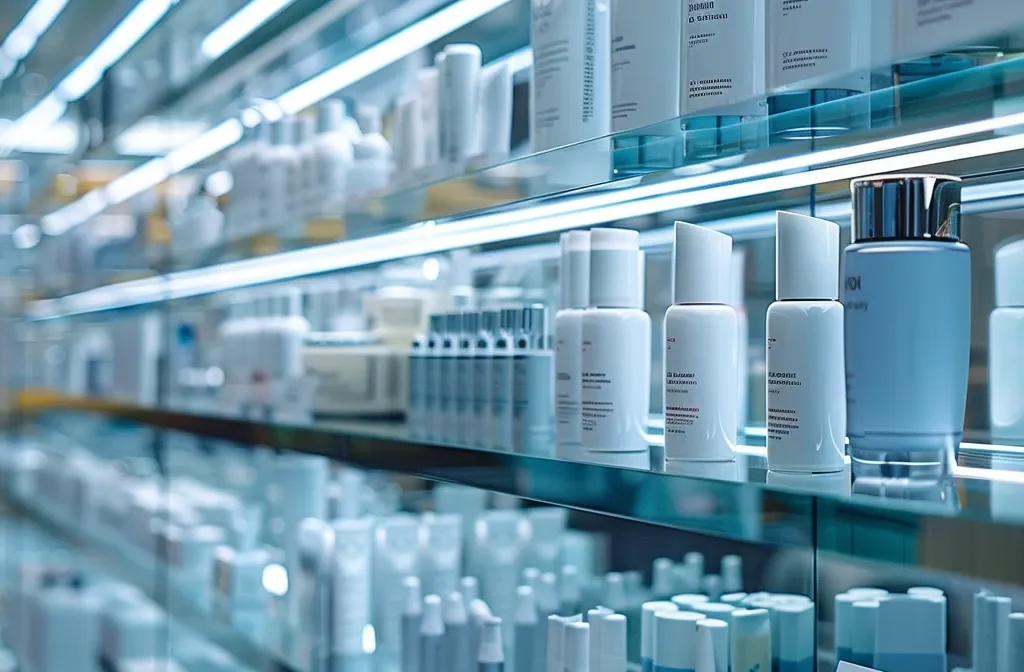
(485, 379)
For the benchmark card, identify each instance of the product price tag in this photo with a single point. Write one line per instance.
(292, 400)
(850, 667)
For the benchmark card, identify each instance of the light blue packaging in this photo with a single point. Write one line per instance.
(465, 370)
(432, 374)
(533, 380)
(502, 379)
(907, 294)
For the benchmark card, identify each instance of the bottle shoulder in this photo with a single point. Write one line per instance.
(601, 315)
(828, 308)
(700, 311)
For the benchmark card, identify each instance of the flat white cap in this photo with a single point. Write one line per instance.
(806, 257)
(1009, 263)
(712, 646)
(574, 273)
(689, 600)
(647, 612)
(675, 638)
(433, 616)
(576, 656)
(701, 265)
(732, 573)
(925, 591)
(716, 610)
(613, 267)
(413, 599)
(613, 644)
(463, 50)
(733, 598)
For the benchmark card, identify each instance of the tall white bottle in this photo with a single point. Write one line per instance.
(574, 277)
(806, 377)
(282, 169)
(284, 335)
(616, 354)
(372, 165)
(334, 154)
(1006, 345)
(700, 349)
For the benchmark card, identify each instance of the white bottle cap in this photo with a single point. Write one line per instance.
(569, 586)
(732, 573)
(433, 617)
(675, 638)
(865, 619)
(867, 592)
(712, 646)
(526, 610)
(806, 257)
(796, 633)
(689, 600)
(577, 647)
(1009, 263)
(491, 648)
(469, 588)
(613, 267)
(330, 115)
(717, 610)
(556, 640)
(613, 644)
(547, 593)
(455, 609)
(647, 612)
(733, 598)
(701, 265)
(463, 50)
(925, 591)
(574, 274)
(413, 601)
(661, 577)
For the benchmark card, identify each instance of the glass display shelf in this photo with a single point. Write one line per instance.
(896, 521)
(968, 123)
(190, 636)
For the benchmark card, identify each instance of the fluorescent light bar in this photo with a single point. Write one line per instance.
(239, 25)
(72, 214)
(37, 20)
(215, 140)
(389, 50)
(136, 181)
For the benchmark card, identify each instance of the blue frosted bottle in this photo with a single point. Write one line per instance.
(907, 294)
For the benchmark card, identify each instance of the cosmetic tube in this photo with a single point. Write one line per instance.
(712, 646)
(547, 601)
(500, 539)
(495, 112)
(533, 380)
(647, 614)
(483, 383)
(722, 92)
(806, 378)
(750, 640)
(465, 370)
(845, 626)
(998, 610)
(395, 556)
(491, 657)
(503, 380)
(862, 640)
(448, 407)
(700, 349)
(353, 566)
(313, 583)
(462, 83)
(443, 110)
(432, 635)
(525, 655)
(459, 655)
(428, 83)
(408, 138)
(796, 637)
(595, 618)
(981, 631)
(731, 570)
(1006, 332)
(616, 361)
(441, 555)
(574, 282)
(547, 524)
(569, 591)
(1015, 653)
(434, 386)
(613, 594)
(577, 647)
(479, 614)
(556, 627)
(911, 634)
(675, 640)
(613, 645)
(906, 226)
(412, 619)
(694, 561)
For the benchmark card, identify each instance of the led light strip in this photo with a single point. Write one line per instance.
(239, 25)
(20, 42)
(430, 238)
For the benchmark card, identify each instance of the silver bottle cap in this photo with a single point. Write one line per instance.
(906, 207)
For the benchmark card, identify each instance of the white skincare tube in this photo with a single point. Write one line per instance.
(313, 583)
(569, 590)
(661, 578)
(613, 644)
(479, 615)
(428, 84)
(491, 657)
(616, 361)
(796, 636)
(865, 622)
(732, 573)
(407, 139)
(526, 641)
(998, 608)
(353, 564)
(443, 108)
(500, 432)
(806, 375)
(396, 556)
(911, 634)
(577, 647)
(412, 619)
(441, 559)
(595, 618)
(432, 635)
(675, 640)
(483, 382)
(458, 635)
(750, 640)
(547, 524)
(981, 631)
(712, 646)
(556, 627)
(1015, 654)
(533, 422)
(495, 112)
(1006, 329)
(462, 83)
(500, 538)
(700, 349)
(547, 600)
(694, 562)
(574, 282)
(647, 613)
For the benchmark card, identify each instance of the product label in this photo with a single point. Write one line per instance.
(503, 380)
(805, 388)
(645, 62)
(568, 345)
(700, 382)
(531, 405)
(723, 50)
(818, 44)
(925, 27)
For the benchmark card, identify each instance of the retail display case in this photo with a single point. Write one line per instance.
(276, 385)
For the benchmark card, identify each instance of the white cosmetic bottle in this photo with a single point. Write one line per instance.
(284, 336)
(372, 164)
(396, 555)
(574, 277)
(307, 183)
(1006, 345)
(353, 562)
(432, 368)
(465, 360)
(462, 83)
(448, 371)
(495, 113)
(739, 263)
(282, 168)
(533, 385)
(441, 558)
(333, 156)
(806, 377)
(700, 349)
(616, 353)
(428, 83)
